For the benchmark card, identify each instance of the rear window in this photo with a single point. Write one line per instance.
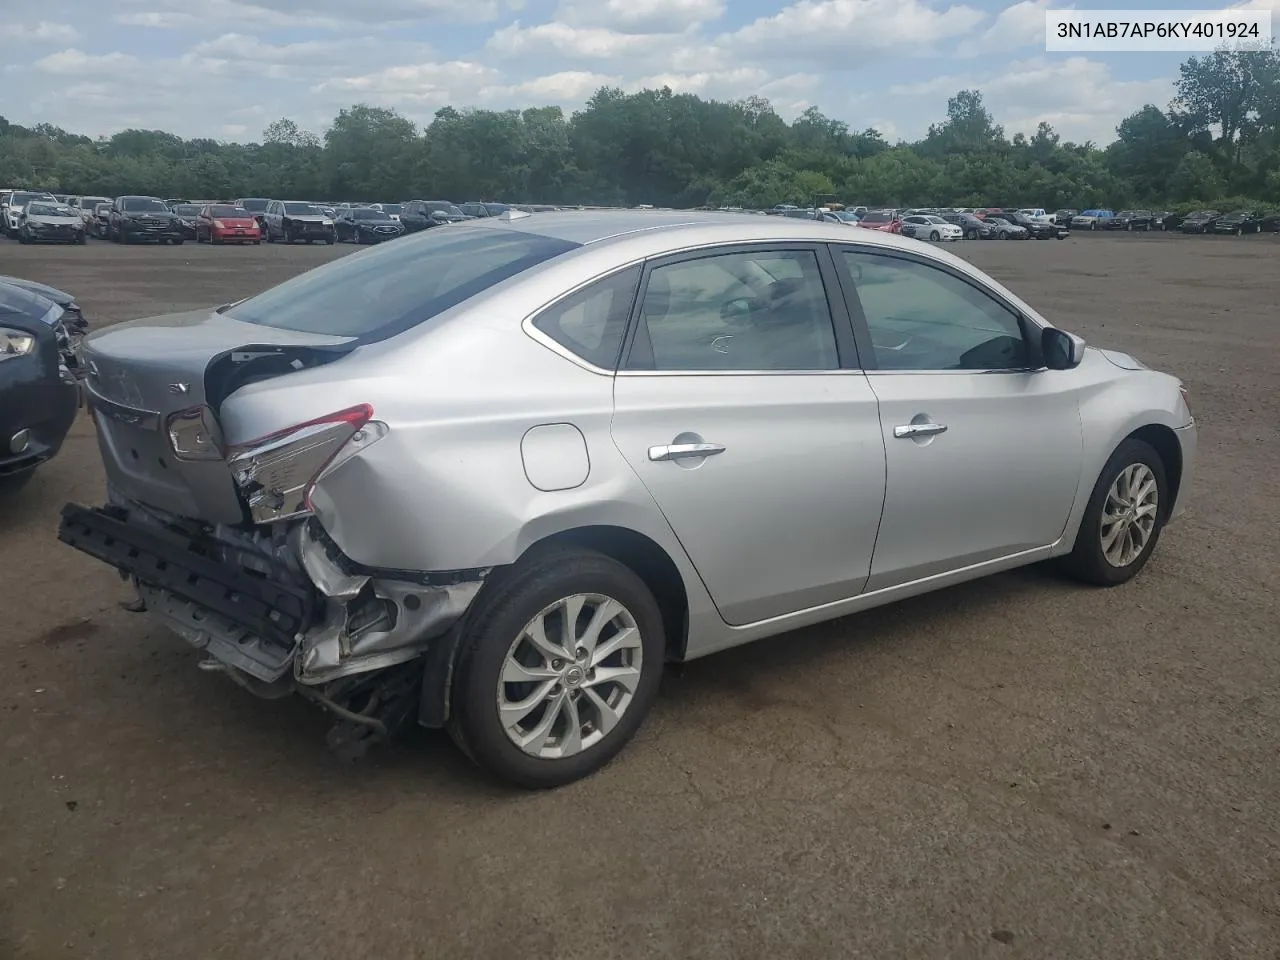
(300, 208)
(253, 205)
(186, 209)
(228, 211)
(393, 287)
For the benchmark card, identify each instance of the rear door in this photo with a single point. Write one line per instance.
(741, 407)
(984, 446)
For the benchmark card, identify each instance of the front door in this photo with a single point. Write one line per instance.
(761, 447)
(984, 448)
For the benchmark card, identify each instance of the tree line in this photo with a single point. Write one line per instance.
(1216, 143)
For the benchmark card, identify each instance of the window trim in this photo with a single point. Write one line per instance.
(530, 328)
(847, 352)
(530, 323)
(862, 331)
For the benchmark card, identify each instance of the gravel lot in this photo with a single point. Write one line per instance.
(1019, 767)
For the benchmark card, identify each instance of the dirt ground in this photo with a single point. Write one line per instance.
(1019, 767)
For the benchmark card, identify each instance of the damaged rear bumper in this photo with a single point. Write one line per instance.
(295, 611)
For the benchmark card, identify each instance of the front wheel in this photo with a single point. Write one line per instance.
(557, 668)
(1122, 522)
(933, 235)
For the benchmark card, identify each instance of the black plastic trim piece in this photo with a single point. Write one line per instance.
(269, 609)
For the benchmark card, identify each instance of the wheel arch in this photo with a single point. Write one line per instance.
(1165, 442)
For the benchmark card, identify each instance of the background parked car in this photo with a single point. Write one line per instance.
(293, 220)
(1201, 221)
(47, 222)
(973, 228)
(418, 215)
(886, 221)
(366, 225)
(187, 214)
(256, 206)
(39, 394)
(1269, 222)
(1091, 219)
(1129, 220)
(475, 208)
(930, 227)
(393, 210)
(1006, 229)
(1044, 229)
(17, 203)
(1239, 222)
(99, 222)
(143, 218)
(1165, 220)
(1063, 217)
(226, 223)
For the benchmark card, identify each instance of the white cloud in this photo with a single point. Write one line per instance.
(568, 86)
(310, 14)
(43, 32)
(579, 43)
(843, 33)
(640, 16)
(1020, 25)
(77, 63)
(1078, 96)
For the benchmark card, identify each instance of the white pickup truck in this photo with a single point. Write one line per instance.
(1037, 214)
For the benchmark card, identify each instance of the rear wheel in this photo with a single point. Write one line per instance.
(1122, 522)
(557, 668)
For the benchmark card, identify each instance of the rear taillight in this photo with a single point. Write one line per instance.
(276, 473)
(194, 434)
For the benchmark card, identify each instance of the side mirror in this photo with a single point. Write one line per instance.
(1061, 350)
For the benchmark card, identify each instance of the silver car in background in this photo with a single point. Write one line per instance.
(490, 478)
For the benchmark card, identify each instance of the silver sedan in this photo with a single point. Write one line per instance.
(491, 478)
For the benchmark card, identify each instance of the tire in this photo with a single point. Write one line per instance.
(12, 483)
(267, 235)
(82, 239)
(329, 241)
(1129, 227)
(495, 635)
(933, 235)
(1087, 561)
(1093, 226)
(178, 241)
(1239, 231)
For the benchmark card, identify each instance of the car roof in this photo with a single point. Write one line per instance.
(675, 230)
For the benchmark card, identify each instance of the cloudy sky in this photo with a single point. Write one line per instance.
(226, 68)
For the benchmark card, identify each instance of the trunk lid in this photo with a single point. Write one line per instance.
(141, 372)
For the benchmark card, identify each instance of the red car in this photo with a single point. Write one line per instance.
(224, 223)
(884, 221)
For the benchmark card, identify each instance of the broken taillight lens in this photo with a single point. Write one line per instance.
(277, 472)
(194, 434)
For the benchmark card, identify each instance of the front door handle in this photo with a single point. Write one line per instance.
(678, 451)
(910, 430)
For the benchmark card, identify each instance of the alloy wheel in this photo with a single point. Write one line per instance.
(1129, 514)
(569, 676)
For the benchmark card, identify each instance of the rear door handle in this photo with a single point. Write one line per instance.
(909, 430)
(678, 451)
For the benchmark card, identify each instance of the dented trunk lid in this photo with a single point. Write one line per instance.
(142, 372)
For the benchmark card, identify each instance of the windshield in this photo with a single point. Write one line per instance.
(228, 211)
(390, 208)
(368, 213)
(437, 206)
(935, 220)
(143, 205)
(876, 218)
(186, 209)
(22, 199)
(301, 209)
(101, 209)
(37, 209)
(474, 209)
(253, 205)
(399, 285)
